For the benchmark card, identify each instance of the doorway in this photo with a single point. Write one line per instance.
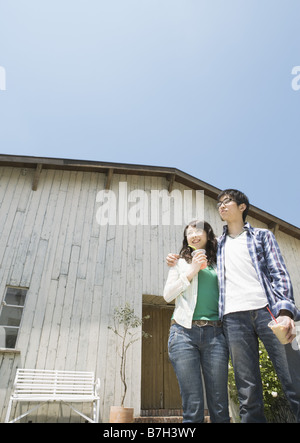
(160, 388)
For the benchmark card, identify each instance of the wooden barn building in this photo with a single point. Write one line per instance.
(79, 238)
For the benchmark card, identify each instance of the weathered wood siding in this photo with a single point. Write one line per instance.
(77, 272)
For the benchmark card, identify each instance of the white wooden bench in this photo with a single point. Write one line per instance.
(43, 386)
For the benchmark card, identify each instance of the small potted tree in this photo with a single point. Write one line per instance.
(125, 326)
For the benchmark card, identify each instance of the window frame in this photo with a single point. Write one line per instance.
(21, 307)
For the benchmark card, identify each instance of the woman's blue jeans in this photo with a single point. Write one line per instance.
(242, 330)
(190, 351)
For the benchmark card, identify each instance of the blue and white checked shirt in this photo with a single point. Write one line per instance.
(269, 266)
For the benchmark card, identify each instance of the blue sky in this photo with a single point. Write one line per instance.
(201, 85)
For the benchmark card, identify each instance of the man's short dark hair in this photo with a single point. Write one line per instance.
(239, 197)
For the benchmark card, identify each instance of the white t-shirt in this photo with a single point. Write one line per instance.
(243, 291)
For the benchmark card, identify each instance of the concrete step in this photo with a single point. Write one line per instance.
(153, 416)
(159, 419)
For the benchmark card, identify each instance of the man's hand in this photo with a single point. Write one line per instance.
(290, 327)
(172, 259)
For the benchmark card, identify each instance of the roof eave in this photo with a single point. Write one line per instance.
(171, 174)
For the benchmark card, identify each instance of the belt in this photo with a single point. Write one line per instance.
(202, 323)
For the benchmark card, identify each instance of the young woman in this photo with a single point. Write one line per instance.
(196, 341)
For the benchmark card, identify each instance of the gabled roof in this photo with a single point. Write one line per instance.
(171, 174)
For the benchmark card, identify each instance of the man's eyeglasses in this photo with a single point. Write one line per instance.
(225, 202)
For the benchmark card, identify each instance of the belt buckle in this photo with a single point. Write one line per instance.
(201, 323)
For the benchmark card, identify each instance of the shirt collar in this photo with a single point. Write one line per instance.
(247, 227)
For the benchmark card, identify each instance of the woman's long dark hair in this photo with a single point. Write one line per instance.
(211, 246)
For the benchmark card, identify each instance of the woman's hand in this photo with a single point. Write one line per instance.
(199, 262)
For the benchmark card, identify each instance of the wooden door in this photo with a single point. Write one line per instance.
(160, 388)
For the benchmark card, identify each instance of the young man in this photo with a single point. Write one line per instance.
(252, 275)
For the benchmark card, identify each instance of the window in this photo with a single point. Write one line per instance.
(10, 316)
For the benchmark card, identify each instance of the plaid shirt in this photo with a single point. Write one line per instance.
(269, 266)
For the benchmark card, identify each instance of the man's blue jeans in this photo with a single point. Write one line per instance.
(242, 330)
(191, 350)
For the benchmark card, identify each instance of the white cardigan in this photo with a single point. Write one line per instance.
(184, 292)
